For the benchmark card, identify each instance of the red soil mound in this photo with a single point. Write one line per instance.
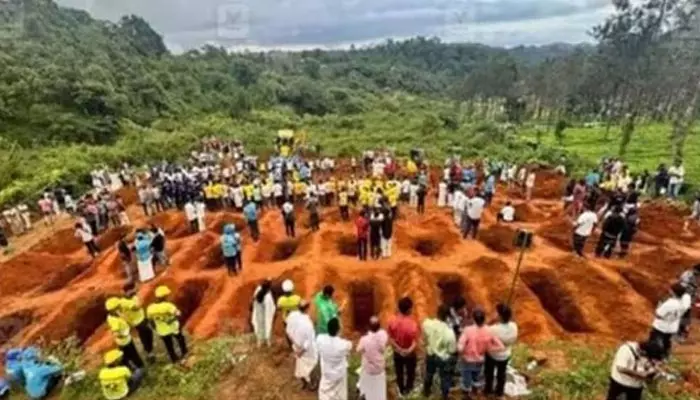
(554, 297)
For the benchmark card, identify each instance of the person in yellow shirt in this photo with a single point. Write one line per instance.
(132, 311)
(121, 333)
(287, 303)
(165, 316)
(352, 191)
(116, 380)
(299, 191)
(248, 189)
(343, 203)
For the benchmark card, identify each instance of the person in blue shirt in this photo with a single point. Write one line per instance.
(250, 211)
(489, 189)
(593, 178)
(230, 246)
(144, 256)
(40, 377)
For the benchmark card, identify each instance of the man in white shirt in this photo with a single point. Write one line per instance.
(667, 318)
(507, 213)
(634, 364)
(529, 185)
(474, 209)
(676, 175)
(442, 194)
(300, 331)
(84, 233)
(405, 190)
(278, 192)
(191, 215)
(289, 218)
(458, 205)
(333, 352)
(584, 226)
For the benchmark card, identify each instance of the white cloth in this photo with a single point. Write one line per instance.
(287, 208)
(300, 330)
(530, 181)
(190, 211)
(333, 353)
(277, 189)
(263, 315)
(201, 210)
(386, 247)
(237, 195)
(145, 269)
(585, 223)
(628, 357)
(667, 317)
(508, 335)
(508, 213)
(676, 174)
(475, 207)
(442, 194)
(372, 387)
(84, 234)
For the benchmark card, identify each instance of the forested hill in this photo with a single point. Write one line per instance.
(66, 77)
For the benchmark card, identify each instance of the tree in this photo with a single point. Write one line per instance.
(430, 125)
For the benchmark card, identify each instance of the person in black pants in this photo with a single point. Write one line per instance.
(289, 218)
(403, 334)
(667, 319)
(362, 226)
(627, 235)
(496, 364)
(422, 192)
(375, 233)
(634, 355)
(613, 225)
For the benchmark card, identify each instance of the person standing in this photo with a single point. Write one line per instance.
(191, 215)
(230, 244)
(126, 257)
(362, 227)
(84, 233)
(144, 256)
(489, 189)
(333, 352)
(326, 308)
(474, 208)
(440, 345)
(300, 331)
(164, 315)
(263, 313)
(496, 362)
(314, 219)
(476, 340)
(442, 194)
(613, 225)
(633, 365)
(289, 218)
(375, 232)
(371, 347)
(132, 311)
(689, 280)
(201, 209)
(121, 333)
(667, 319)
(583, 228)
(421, 193)
(529, 185)
(250, 211)
(387, 232)
(676, 174)
(343, 204)
(158, 246)
(629, 231)
(403, 335)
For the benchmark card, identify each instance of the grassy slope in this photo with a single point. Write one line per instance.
(648, 148)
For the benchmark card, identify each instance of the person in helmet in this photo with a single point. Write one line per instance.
(121, 333)
(165, 316)
(132, 311)
(230, 245)
(116, 380)
(144, 256)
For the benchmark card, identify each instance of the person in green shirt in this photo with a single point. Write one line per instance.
(440, 344)
(326, 309)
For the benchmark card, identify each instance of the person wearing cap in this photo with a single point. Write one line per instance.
(288, 301)
(263, 312)
(634, 365)
(116, 380)
(300, 331)
(144, 256)
(372, 347)
(132, 311)
(121, 333)
(165, 316)
(230, 243)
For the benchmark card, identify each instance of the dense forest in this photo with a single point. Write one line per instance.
(68, 78)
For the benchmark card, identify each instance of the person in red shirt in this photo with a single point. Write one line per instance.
(403, 337)
(362, 225)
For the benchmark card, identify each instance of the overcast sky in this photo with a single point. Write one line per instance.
(296, 24)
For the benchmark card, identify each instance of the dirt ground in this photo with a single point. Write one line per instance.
(50, 289)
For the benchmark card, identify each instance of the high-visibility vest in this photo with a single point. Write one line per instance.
(165, 317)
(114, 382)
(121, 331)
(132, 311)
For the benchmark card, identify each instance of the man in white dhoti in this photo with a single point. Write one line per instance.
(333, 352)
(300, 330)
(200, 210)
(263, 312)
(373, 371)
(458, 204)
(442, 194)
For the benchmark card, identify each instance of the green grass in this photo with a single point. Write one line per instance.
(648, 147)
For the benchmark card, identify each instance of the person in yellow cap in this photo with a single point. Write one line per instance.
(121, 332)
(165, 316)
(116, 380)
(132, 311)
